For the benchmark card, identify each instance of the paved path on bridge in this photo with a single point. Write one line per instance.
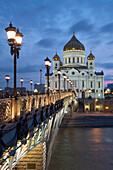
(88, 120)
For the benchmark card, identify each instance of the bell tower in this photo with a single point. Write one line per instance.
(56, 62)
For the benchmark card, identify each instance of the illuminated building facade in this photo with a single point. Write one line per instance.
(87, 81)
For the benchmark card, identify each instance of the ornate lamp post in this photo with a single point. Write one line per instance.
(37, 83)
(31, 82)
(71, 85)
(21, 80)
(48, 65)
(7, 77)
(38, 86)
(65, 77)
(40, 76)
(59, 73)
(67, 83)
(14, 41)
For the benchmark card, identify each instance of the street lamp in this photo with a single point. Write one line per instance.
(37, 83)
(38, 86)
(7, 77)
(71, 83)
(21, 80)
(31, 82)
(59, 73)
(48, 65)
(65, 77)
(67, 83)
(14, 41)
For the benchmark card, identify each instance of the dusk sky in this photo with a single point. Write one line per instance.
(49, 24)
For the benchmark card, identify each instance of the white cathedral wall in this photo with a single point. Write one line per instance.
(74, 53)
(87, 84)
(54, 67)
(91, 67)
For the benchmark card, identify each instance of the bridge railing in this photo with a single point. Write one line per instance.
(12, 133)
(12, 108)
(5, 110)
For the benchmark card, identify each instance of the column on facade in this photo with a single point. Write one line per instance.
(62, 85)
(102, 87)
(78, 87)
(95, 88)
(87, 85)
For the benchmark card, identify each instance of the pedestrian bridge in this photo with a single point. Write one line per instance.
(30, 123)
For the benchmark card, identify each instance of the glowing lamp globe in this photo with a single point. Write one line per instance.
(21, 80)
(47, 62)
(59, 71)
(18, 38)
(11, 33)
(31, 81)
(7, 77)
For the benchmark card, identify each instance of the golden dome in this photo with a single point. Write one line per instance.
(74, 44)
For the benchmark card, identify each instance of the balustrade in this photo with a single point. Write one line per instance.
(11, 109)
(33, 118)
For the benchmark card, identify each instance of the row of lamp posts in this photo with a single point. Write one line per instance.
(7, 77)
(14, 41)
(48, 65)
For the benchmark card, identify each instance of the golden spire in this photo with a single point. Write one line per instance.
(90, 50)
(56, 50)
(73, 33)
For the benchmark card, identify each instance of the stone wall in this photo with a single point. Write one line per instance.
(97, 105)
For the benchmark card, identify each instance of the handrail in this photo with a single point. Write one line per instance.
(12, 108)
(10, 133)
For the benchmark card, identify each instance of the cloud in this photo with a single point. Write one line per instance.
(46, 43)
(81, 26)
(108, 28)
(32, 68)
(105, 65)
(53, 31)
(110, 43)
(108, 78)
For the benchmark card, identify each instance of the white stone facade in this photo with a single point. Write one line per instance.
(84, 76)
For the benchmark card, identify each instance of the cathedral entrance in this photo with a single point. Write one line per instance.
(91, 107)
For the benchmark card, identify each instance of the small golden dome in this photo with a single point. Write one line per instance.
(91, 56)
(56, 57)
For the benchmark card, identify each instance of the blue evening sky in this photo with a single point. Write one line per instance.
(49, 24)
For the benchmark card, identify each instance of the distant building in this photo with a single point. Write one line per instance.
(110, 86)
(40, 88)
(86, 80)
(19, 89)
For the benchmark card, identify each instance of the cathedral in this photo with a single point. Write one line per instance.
(86, 80)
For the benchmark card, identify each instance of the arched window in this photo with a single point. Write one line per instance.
(91, 64)
(56, 65)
